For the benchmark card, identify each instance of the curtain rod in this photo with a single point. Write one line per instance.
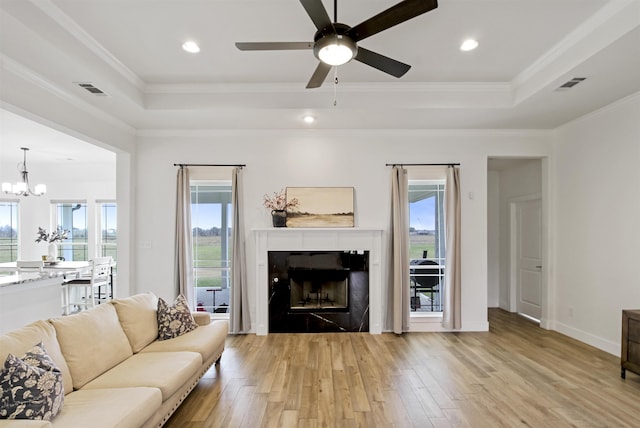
(423, 164)
(209, 164)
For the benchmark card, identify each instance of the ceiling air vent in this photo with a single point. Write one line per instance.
(570, 83)
(89, 87)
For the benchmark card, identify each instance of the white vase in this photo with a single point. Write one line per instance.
(52, 252)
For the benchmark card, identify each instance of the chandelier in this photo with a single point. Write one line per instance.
(22, 188)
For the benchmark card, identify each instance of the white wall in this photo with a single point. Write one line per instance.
(597, 228)
(277, 159)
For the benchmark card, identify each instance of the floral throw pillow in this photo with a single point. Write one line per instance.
(31, 386)
(176, 320)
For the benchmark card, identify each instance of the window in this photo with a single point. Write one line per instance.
(211, 219)
(72, 216)
(426, 244)
(107, 239)
(8, 231)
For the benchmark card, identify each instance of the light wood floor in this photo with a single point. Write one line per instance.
(515, 375)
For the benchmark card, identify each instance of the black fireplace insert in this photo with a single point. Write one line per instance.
(318, 291)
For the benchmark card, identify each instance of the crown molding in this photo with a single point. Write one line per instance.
(585, 29)
(19, 70)
(64, 21)
(401, 87)
(629, 99)
(260, 96)
(204, 133)
(613, 20)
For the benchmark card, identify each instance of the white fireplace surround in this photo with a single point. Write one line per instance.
(320, 239)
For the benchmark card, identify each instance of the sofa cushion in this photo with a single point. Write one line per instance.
(201, 318)
(108, 408)
(176, 320)
(206, 340)
(92, 342)
(167, 371)
(31, 386)
(18, 342)
(138, 318)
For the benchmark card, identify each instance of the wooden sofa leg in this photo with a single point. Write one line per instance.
(217, 363)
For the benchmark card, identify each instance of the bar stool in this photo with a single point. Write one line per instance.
(90, 284)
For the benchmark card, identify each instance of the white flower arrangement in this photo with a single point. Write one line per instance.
(278, 202)
(59, 234)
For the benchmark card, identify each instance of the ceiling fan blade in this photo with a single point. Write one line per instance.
(273, 46)
(318, 14)
(319, 75)
(381, 62)
(401, 12)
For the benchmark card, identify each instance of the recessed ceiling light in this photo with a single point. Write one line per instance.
(191, 47)
(308, 118)
(469, 45)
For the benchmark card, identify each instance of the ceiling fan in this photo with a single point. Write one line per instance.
(335, 43)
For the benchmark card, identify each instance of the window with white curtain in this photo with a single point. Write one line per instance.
(426, 243)
(211, 223)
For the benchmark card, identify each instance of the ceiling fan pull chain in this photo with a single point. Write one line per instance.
(335, 87)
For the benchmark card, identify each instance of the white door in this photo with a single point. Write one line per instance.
(529, 258)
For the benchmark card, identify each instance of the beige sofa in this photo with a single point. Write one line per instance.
(115, 372)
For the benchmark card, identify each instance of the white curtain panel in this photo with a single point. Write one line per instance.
(400, 248)
(452, 318)
(240, 320)
(184, 249)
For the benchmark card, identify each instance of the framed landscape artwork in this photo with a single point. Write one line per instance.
(321, 207)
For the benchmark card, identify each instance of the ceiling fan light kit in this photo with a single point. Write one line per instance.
(336, 43)
(335, 49)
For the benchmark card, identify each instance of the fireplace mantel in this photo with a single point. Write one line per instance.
(311, 239)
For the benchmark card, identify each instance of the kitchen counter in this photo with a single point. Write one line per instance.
(21, 278)
(28, 297)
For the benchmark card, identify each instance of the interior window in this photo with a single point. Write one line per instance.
(72, 216)
(426, 244)
(8, 231)
(211, 223)
(107, 239)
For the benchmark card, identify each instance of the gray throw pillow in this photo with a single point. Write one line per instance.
(176, 320)
(31, 386)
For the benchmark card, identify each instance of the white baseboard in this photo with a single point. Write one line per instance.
(588, 338)
(475, 326)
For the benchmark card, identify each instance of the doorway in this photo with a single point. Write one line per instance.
(517, 241)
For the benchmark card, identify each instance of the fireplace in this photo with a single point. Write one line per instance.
(318, 291)
(318, 280)
(342, 289)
